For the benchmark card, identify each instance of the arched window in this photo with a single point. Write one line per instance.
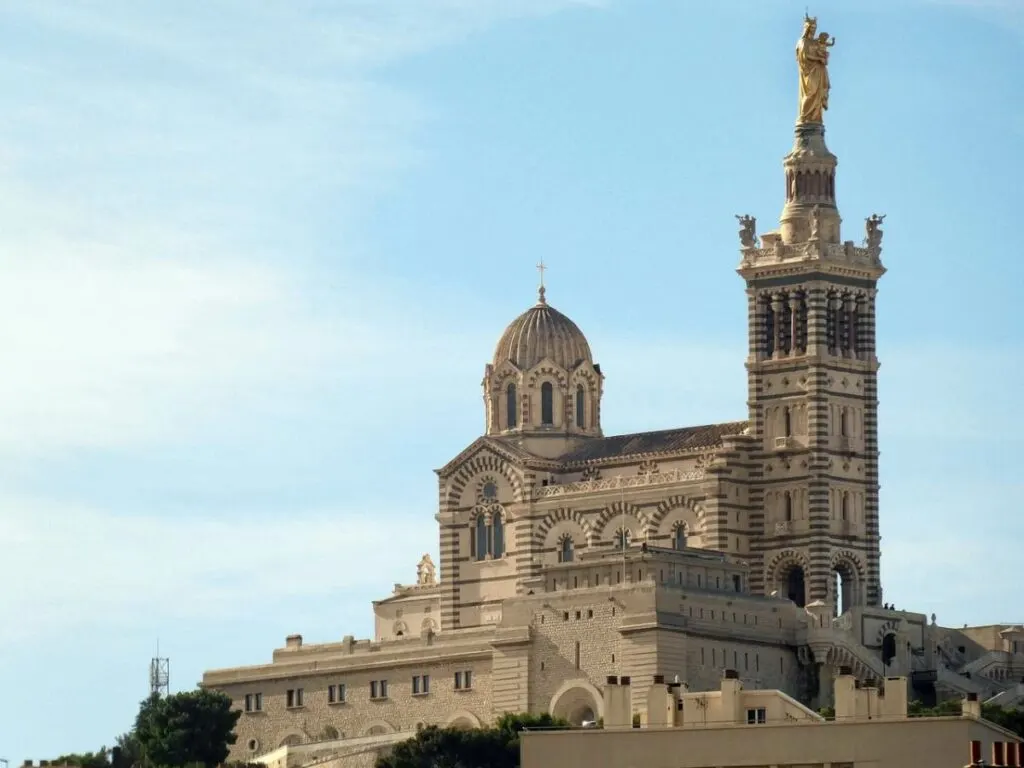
(679, 539)
(622, 537)
(510, 405)
(547, 403)
(787, 422)
(481, 537)
(842, 422)
(580, 409)
(497, 535)
(845, 505)
(565, 552)
(788, 507)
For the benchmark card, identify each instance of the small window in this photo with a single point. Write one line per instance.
(336, 694)
(253, 745)
(498, 535)
(511, 406)
(257, 702)
(248, 702)
(547, 404)
(580, 408)
(378, 689)
(420, 685)
(788, 501)
(998, 753)
(481, 538)
(566, 551)
(463, 680)
(293, 698)
(577, 654)
(975, 752)
(758, 716)
(787, 423)
(679, 541)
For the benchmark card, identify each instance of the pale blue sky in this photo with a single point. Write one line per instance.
(254, 257)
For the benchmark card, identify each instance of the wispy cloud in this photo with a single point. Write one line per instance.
(85, 568)
(148, 279)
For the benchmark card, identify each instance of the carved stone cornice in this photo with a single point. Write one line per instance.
(780, 259)
(667, 477)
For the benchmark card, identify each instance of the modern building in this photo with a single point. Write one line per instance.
(737, 727)
(568, 555)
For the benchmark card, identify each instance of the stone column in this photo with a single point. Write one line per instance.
(794, 322)
(777, 324)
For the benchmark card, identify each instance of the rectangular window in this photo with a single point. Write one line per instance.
(248, 702)
(975, 752)
(420, 685)
(294, 698)
(378, 689)
(577, 654)
(257, 702)
(757, 716)
(998, 753)
(336, 694)
(463, 680)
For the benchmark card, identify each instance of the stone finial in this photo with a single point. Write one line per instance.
(425, 572)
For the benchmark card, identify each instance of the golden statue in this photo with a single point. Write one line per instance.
(812, 59)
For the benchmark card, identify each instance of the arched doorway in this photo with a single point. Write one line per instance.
(796, 588)
(888, 648)
(577, 702)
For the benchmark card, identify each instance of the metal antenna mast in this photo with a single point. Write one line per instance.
(159, 674)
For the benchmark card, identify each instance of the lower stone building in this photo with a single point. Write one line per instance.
(737, 727)
(567, 555)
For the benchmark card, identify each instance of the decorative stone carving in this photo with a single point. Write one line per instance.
(619, 481)
(748, 231)
(816, 223)
(648, 468)
(873, 231)
(426, 574)
(590, 473)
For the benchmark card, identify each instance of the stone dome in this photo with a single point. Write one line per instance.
(542, 332)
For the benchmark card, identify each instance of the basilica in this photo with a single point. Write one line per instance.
(568, 555)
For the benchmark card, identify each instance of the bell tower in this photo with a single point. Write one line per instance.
(812, 374)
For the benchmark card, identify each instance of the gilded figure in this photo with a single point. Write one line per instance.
(812, 60)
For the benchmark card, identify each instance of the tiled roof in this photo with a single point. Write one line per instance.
(663, 441)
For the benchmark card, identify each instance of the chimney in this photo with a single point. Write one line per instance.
(893, 704)
(732, 708)
(661, 705)
(971, 706)
(615, 715)
(626, 701)
(870, 703)
(293, 641)
(846, 694)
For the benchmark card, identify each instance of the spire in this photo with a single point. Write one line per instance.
(540, 290)
(810, 211)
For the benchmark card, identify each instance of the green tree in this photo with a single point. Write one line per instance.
(193, 727)
(493, 747)
(98, 759)
(1007, 717)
